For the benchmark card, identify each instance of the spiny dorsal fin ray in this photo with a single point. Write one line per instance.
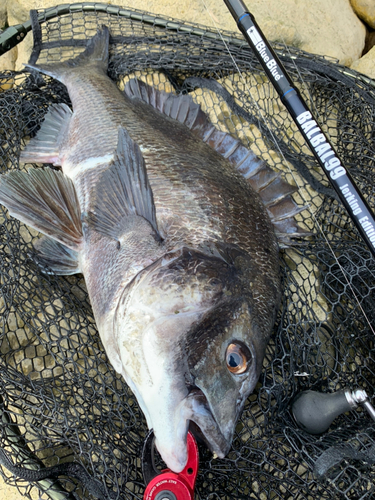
(124, 190)
(95, 54)
(284, 209)
(181, 108)
(45, 147)
(275, 191)
(54, 257)
(271, 187)
(46, 200)
(289, 233)
(188, 112)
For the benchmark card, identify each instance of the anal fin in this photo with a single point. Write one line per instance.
(46, 200)
(123, 190)
(55, 257)
(45, 146)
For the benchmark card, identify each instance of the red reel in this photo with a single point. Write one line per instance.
(168, 485)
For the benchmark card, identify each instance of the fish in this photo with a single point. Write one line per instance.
(176, 227)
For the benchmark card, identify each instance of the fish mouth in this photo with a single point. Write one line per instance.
(195, 410)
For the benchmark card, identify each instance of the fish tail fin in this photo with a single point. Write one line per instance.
(95, 54)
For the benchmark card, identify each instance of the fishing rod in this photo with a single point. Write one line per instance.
(324, 152)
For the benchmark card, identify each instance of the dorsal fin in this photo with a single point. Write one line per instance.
(273, 190)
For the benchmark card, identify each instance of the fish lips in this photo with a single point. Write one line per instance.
(194, 409)
(213, 420)
(217, 398)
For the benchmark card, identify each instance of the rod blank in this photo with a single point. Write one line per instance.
(339, 177)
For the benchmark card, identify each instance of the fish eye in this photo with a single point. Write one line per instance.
(238, 357)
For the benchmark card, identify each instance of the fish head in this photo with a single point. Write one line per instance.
(191, 349)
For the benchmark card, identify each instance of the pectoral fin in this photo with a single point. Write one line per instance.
(46, 200)
(123, 190)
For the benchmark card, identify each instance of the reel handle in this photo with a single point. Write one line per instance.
(314, 412)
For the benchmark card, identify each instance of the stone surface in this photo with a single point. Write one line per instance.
(366, 64)
(327, 27)
(8, 60)
(365, 9)
(369, 41)
(3, 14)
(9, 492)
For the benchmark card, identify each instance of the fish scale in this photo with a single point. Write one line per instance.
(89, 128)
(188, 180)
(163, 151)
(178, 252)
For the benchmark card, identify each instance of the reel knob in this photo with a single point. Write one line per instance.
(314, 412)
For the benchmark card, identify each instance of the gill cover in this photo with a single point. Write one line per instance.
(230, 323)
(173, 326)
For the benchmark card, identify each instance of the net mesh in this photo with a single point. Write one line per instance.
(60, 399)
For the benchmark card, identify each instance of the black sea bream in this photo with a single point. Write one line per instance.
(178, 251)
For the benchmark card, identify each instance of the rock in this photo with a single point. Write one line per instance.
(369, 42)
(19, 10)
(3, 15)
(327, 27)
(8, 60)
(365, 9)
(366, 64)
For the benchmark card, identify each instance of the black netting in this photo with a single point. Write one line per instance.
(61, 401)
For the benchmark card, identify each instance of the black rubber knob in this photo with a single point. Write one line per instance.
(314, 412)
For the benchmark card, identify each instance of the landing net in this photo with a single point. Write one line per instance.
(60, 399)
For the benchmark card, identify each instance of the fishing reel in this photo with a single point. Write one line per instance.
(314, 412)
(165, 484)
